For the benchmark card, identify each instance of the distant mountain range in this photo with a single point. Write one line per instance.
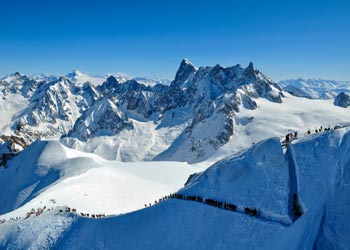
(187, 119)
(315, 88)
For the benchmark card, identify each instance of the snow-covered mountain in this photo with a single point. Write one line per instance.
(314, 88)
(244, 192)
(264, 177)
(203, 101)
(80, 78)
(203, 112)
(18, 83)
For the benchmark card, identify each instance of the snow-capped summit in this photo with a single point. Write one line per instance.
(79, 78)
(184, 74)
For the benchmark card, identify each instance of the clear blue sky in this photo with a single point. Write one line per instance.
(284, 39)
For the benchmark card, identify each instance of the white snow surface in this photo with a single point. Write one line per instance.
(322, 170)
(47, 170)
(256, 178)
(10, 105)
(278, 119)
(315, 88)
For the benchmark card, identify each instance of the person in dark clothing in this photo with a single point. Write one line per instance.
(287, 138)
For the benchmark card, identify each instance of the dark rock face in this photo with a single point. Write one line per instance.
(184, 73)
(342, 100)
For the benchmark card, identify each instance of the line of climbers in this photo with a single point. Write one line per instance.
(73, 210)
(291, 136)
(208, 201)
(319, 130)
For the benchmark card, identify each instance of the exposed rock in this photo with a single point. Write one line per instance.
(342, 100)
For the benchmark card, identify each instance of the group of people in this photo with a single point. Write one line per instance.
(208, 201)
(291, 136)
(319, 130)
(36, 212)
(73, 210)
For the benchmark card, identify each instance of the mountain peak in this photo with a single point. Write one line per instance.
(184, 73)
(77, 72)
(249, 71)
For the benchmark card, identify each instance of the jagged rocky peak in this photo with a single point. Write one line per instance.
(110, 84)
(184, 74)
(102, 119)
(18, 83)
(250, 71)
(342, 100)
(90, 93)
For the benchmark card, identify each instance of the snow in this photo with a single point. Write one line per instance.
(143, 142)
(84, 181)
(259, 177)
(278, 119)
(10, 106)
(170, 225)
(244, 179)
(315, 88)
(80, 78)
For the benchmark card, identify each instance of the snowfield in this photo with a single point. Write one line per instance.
(321, 176)
(49, 171)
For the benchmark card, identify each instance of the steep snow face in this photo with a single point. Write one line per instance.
(342, 100)
(320, 176)
(323, 176)
(314, 88)
(256, 178)
(102, 119)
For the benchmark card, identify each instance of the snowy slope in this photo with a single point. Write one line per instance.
(47, 170)
(276, 120)
(320, 163)
(169, 225)
(257, 178)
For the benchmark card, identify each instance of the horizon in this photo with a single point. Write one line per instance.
(286, 40)
(105, 75)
